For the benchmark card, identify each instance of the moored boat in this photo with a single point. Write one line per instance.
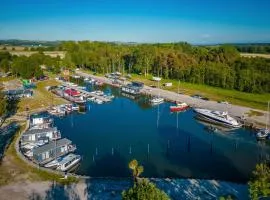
(217, 117)
(179, 107)
(262, 134)
(68, 162)
(157, 100)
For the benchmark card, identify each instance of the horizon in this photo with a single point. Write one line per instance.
(198, 23)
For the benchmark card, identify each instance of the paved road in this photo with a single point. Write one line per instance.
(234, 110)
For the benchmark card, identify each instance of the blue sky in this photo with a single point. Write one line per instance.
(194, 21)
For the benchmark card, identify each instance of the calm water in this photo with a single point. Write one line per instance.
(108, 136)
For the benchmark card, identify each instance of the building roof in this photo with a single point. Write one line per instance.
(37, 131)
(51, 145)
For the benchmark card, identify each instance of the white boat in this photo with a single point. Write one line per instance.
(86, 79)
(91, 98)
(54, 163)
(217, 117)
(68, 162)
(98, 101)
(75, 107)
(157, 100)
(264, 133)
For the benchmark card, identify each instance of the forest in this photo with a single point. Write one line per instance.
(218, 66)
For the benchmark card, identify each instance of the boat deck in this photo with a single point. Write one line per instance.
(86, 93)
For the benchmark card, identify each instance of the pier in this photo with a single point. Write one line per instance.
(86, 93)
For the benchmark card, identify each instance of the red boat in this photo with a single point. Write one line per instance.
(179, 107)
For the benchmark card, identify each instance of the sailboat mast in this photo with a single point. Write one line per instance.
(267, 114)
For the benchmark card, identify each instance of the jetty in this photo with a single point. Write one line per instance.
(86, 93)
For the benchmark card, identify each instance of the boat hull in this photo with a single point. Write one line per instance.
(178, 108)
(215, 121)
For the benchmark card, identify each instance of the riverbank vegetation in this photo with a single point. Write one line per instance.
(142, 188)
(259, 186)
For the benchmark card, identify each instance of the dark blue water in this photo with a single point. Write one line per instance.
(108, 136)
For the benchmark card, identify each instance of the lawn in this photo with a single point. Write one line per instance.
(257, 101)
(41, 98)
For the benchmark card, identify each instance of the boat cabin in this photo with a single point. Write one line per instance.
(36, 120)
(34, 135)
(52, 150)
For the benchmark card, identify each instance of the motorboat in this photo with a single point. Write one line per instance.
(217, 117)
(179, 107)
(262, 134)
(54, 163)
(68, 162)
(98, 101)
(157, 100)
(91, 98)
(75, 107)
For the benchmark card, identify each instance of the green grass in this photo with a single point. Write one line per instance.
(256, 101)
(41, 97)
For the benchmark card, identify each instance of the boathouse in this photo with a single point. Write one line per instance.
(38, 119)
(34, 135)
(52, 150)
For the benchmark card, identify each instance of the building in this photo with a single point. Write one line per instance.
(34, 135)
(52, 150)
(39, 120)
(137, 84)
(130, 89)
(19, 93)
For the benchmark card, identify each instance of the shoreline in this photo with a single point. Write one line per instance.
(234, 110)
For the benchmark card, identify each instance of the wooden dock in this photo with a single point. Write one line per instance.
(86, 93)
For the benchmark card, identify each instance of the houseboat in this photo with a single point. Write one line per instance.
(130, 89)
(68, 162)
(34, 135)
(52, 150)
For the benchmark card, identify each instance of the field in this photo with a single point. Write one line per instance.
(257, 101)
(250, 55)
(61, 54)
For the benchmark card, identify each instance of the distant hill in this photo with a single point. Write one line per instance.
(29, 43)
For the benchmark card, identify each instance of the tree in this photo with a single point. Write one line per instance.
(3, 105)
(259, 186)
(142, 188)
(136, 169)
(4, 65)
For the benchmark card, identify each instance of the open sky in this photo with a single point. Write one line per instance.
(194, 21)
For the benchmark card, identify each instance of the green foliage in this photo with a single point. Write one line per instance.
(265, 49)
(144, 190)
(4, 65)
(3, 104)
(219, 66)
(259, 186)
(137, 169)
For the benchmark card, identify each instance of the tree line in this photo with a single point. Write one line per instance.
(254, 48)
(28, 67)
(219, 66)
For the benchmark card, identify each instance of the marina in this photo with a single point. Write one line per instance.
(167, 145)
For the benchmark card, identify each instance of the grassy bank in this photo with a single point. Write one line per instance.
(41, 98)
(13, 169)
(256, 101)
